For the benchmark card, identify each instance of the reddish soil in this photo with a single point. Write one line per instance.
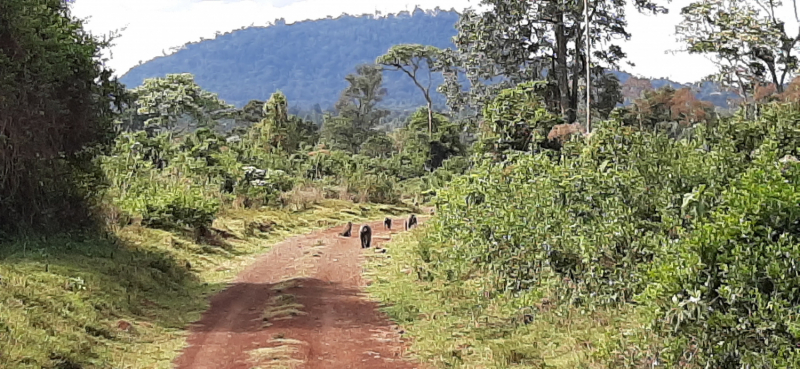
(334, 324)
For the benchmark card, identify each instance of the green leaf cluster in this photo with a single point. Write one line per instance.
(698, 231)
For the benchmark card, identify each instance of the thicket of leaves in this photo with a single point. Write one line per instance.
(56, 102)
(725, 294)
(699, 230)
(517, 119)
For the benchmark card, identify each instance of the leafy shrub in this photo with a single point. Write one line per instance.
(373, 188)
(265, 187)
(725, 295)
(698, 230)
(164, 198)
(516, 119)
(589, 215)
(180, 209)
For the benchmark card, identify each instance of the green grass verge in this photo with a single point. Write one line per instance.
(454, 325)
(125, 301)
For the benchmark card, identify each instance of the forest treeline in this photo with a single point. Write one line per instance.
(308, 61)
(664, 210)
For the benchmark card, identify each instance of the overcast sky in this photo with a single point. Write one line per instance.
(154, 26)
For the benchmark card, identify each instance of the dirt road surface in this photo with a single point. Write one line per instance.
(301, 305)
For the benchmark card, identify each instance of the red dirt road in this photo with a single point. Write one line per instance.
(301, 305)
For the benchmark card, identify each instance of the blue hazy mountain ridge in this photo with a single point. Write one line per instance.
(308, 60)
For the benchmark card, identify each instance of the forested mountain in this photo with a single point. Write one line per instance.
(308, 60)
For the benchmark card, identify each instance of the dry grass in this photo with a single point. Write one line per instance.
(281, 356)
(344, 193)
(281, 307)
(301, 197)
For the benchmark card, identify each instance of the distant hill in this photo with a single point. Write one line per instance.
(308, 60)
(705, 91)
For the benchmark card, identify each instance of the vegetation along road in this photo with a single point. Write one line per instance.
(583, 217)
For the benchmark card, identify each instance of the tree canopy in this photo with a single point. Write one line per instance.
(746, 38)
(518, 41)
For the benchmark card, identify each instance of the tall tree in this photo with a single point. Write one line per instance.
(410, 58)
(517, 41)
(339, 133)
(357, 109)
(360, 99)
(792, 92)
(160, 102)
(274, 127)
(428, 150)
(667, 105)
(607, 93)
(516, 120)
(635, 87)
(251, 113)
(747, 39)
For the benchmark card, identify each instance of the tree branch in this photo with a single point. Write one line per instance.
(414, 78)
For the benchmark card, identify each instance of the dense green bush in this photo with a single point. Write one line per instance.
(699, 230)
(162, 176)
(162, 195)
(264, 189)
(591, 214)
(180, 209)
(727, 293)
(516, 119)
(57, 104)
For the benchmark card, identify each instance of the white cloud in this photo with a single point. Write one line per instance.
(154, 26)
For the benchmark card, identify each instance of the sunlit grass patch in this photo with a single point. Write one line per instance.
(93, 302)
(454, 324)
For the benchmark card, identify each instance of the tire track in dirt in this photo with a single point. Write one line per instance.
(300, 305)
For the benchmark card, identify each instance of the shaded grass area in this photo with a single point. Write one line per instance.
(124, 301)
(454, 324)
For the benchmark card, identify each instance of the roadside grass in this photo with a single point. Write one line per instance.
(452, 324)
(124, 301)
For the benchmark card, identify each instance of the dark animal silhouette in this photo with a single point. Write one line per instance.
(412, 221)
(387, 223)
(366, 236)
(348, 229)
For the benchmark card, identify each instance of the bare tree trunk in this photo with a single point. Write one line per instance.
(588, 67)
(561, 68)
(430, 116)
(576, 72)
(774, 74)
